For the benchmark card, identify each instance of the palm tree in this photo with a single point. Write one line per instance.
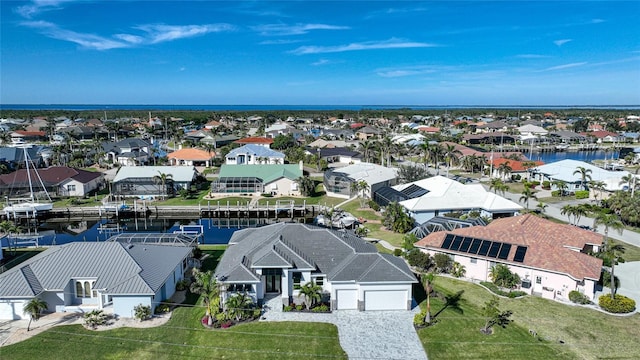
(568, 210)
(585, 174)
(367, 146)
(312, 293)
(611, 250)
(163, 179)
(527, 194)
(451, 156)
(238, 304)
(561, 185)
(598, 186)
(34, 308)
(428, 287)
(206, 285)
(542, 207)
(504, 169)
(306, 185)
(631, 181)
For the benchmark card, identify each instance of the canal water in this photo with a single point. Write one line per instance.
(214, 231)
(586, 156)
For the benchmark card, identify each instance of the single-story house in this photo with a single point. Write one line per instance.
(517, 167)
(275, 179)
(191, 157)
(85, 276)
(262, 141)
(58, 180)
(551, 259)
(489, 138)
(145, 182)
(340, 155)
(565, 170)
(337, 182)
(252, 154)
(276, 260)
(440, 195)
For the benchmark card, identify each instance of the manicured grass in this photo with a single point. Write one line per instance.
(383, 250)
(631, 252)
(377, 231)
(353, 207)
(586, 333)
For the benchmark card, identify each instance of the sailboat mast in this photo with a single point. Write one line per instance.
(26, 161)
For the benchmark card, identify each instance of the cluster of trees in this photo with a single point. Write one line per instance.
(397, 219)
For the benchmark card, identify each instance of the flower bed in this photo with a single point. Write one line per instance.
(496, 290)
(318, 308)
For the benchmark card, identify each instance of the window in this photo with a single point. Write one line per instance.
(297, 278)
(474, 260)
(538, 279)
(239, 288)
(319, 281)
(71, 188)
(84, 289)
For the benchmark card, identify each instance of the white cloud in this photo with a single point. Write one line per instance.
(158, 33)
(38, 6)
(133, 39)
(562, 41)
(89, 41)
(296, 29)
(406, 71)
(369, 45)
(321, 62)
(565, 66)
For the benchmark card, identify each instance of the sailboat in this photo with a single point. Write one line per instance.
(29, 207)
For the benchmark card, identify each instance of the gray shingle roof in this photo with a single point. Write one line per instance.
(339, 255)
(118, 268)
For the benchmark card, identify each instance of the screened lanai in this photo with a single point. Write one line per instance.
(156, 239)
(238, 185)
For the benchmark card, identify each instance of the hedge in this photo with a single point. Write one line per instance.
(582, 194)
(620, 305)
(578, 297)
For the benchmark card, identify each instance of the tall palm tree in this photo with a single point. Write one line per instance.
(527, 194)
(367, 147)
(611, 250)
(34, 309)
(163, 179)
(631, 181)
(568, 210)
(428, 287)
(585, 175)
(451, 156)
(504, 169)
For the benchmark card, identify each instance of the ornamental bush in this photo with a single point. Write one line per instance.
(619, 305)
(142, 312)
(578, 297)
(582, 194)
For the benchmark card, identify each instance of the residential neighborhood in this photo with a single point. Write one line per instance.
(349, 220)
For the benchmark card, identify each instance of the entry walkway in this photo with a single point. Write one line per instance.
(363, 334)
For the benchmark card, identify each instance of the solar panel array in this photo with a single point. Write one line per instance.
(488, 248)
(413, 191)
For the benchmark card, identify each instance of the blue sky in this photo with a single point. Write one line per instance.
(320, 53)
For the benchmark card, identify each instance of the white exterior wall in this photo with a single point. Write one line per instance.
(123, 304)
(12, 309)
(404, 288)
(558, 285)
(55, 300)
(284, 187)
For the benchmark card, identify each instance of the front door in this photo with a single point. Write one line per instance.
(273, 283)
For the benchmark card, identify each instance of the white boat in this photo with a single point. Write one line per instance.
(29, 207)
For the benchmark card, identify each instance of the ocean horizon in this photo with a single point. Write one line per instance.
(107, 107)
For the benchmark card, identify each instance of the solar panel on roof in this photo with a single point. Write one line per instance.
(495, 248)
(447, 241)
(504, 251)
(475, 245)
(414, 191)
(484, 248)
(464, 247)
(456, 243)
(521, 251)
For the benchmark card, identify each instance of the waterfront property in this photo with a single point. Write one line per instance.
(275, 179)
(146, 182)
(57, 180)
(278, 259)
(551, 259)
(427, 198)
(252, 154)
(337, 182)
(567, 172)
(191, 157)
(84, 276)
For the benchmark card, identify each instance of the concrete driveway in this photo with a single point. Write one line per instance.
(364, 334)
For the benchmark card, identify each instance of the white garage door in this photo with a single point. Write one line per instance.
(347, 299)
(385, 300)
(11, 309)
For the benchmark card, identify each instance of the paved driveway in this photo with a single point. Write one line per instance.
(364, 334)
(629, 275)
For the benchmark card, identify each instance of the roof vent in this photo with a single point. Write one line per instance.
(130, 246)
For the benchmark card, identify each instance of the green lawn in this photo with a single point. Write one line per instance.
(353, 207)
(376, 231)
(587, 334)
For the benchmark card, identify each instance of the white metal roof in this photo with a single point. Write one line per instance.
(180, 174)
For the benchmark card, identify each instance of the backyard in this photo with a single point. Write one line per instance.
(563, 331)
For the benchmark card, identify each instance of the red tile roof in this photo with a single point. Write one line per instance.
(30, 133)
(515, 165)
(191, 154)
(548, 244)
(356, 125)
(255, 140)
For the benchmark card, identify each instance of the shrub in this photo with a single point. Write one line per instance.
(582, 194)
(221, 317)
(458, 270)
(418, 319)
(443, 262)
(555, 193)
(374, 205)
(287, 308)
(143, 312)
(320, 308)
(619, 305)
(257, 313)
(162, 308)
(182, 285)
(515, 294)
(496, 290)
(95, 318)
(578, 297)
(397, 252)
(546, 185)
(419, 259)
(299, 307)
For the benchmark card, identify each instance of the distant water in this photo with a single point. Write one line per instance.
(586, 156)
(107, 107)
